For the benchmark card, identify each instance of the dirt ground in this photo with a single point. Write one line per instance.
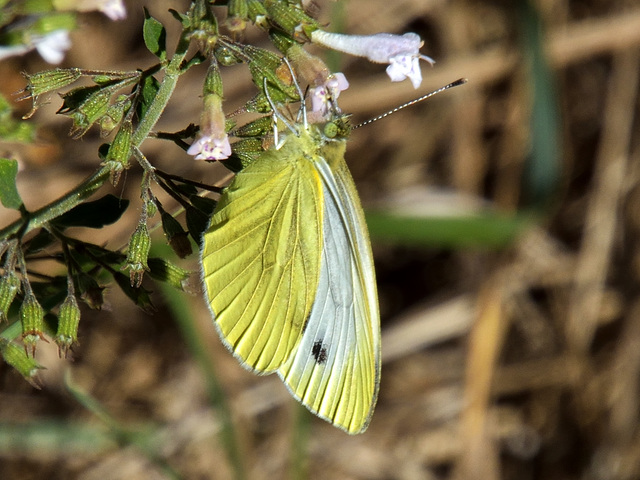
(518, 360)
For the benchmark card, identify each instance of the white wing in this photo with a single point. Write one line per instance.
(335, 371)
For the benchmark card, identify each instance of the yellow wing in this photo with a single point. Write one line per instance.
(261, 256)
(335, 370)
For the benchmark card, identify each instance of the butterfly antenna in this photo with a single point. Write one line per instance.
(276, 115)
(303, 106)
(460, 81)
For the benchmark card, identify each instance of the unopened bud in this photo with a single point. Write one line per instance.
(291, 19)
(169, 273)
(238, 14)
(18, 359)
(32, 318)
(85, 106)
(68, 320)
(176, 235)
(257, 13)
(139, 246)
(119, 152)
(50, 80)
(9, 287)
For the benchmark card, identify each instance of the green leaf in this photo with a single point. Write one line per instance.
(149, 90)
(197, 223)
(9, 195)
(204, 204)
(543, 166)
(12, 129)
(155, 36)
(140, 296)
(41, 241)
(96, 214)
(487, 230)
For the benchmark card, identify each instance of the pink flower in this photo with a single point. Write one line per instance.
(212, 142)
(209, 148)
(324, 95)
(401, 52)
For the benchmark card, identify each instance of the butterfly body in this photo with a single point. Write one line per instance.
(288, 273)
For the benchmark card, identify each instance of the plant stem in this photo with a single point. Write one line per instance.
(33, 220)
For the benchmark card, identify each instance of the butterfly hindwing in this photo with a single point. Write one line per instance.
(336, 367)
(261, 256)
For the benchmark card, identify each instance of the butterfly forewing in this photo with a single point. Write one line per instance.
(335, 369)
(261, 257)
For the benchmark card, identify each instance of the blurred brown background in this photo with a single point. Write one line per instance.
(518, 362)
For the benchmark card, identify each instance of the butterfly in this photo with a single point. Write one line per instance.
(288, 274)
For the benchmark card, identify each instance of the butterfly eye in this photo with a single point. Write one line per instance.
(331, 130)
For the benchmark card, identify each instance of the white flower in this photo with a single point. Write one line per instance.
(404, 66)
(401, 52)
(326, 94)
(53, 46)
(209, 148)
(114, 9)
(7, 51)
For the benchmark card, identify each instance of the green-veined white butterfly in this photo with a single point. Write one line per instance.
(288, 272)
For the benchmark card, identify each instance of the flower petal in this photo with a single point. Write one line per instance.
(208, 148)
(53, 46)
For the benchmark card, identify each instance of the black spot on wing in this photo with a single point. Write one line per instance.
(319, 352)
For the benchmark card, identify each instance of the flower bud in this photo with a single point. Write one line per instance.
(247, 151)
(258, 128)
(176, 235)
(32, 318)
(68, 320)
(169, 273)
(9, 287)
(151, 207)
(18, 359)
(265, 64)
(119, 152)
(90, 291)
(49, 80)
(213, 81)
(237, 16)
(114, 115)
(291, 19)
(203, 25)
(139, 246)
(257, 13)
(85, 106)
